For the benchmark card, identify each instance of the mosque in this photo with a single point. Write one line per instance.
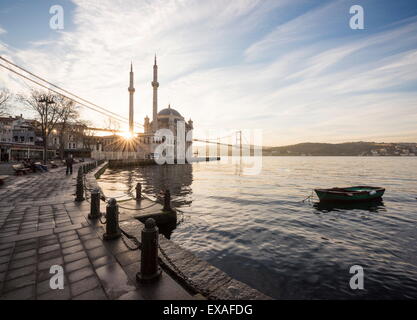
(146, 143)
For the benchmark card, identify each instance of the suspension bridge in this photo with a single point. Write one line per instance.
(28, 76)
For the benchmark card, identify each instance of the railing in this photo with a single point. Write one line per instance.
(117, 155)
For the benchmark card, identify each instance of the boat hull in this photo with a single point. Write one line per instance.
(350, 194)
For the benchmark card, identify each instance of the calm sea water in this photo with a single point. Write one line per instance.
(257, 229)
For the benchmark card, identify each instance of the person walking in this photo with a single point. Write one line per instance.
(69, 161)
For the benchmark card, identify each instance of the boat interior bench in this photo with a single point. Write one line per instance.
(20, 169)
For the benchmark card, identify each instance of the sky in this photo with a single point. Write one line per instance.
(293, 68)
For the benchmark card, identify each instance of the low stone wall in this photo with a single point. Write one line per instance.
(201, 277)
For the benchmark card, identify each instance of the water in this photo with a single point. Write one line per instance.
(258, 230)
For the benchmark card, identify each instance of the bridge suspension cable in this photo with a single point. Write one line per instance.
(109, 113)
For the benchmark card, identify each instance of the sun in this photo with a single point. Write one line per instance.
(126, 135)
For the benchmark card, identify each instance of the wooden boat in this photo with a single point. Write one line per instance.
(350, 194)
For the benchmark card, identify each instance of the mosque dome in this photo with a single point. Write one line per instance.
(169, 112)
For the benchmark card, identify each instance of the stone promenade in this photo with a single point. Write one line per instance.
(42, 226)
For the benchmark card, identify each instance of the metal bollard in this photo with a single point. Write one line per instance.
(167, 201)
(138, 192)
(112, 220)
(95, 204)
(80, 189)
(149, 267)
(80, 172)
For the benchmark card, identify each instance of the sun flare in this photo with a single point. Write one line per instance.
(126, 135)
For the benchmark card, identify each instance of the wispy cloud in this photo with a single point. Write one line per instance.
(228, 65)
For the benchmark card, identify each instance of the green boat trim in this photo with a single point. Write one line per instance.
(350, 194)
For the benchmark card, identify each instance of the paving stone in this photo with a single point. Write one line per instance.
(50, 255)
(46, 243)
(163, 289)
(75, 256)
(26, 242)
(47, 264)
(67, 234)
(3, 266)
(72, 249)
(6, 245)
(107, 259)
(14, 264)
(25, 293)
(84, 285)
(43, 287)
(70, 244)
(114, 280)
(68, 238)
(25, 247)
(68, 227)
(43, 275)
(57, 294)
(30, 235)
(92, 243)
(80, 274)
(95, 294)
(4, 259)
(48, 248)
(132, 295)
(24, 254)
(128, 257)
(10, 285)
(16, 273)
(84, 231)
(78, 264)
(6, 252)
(116, 246)
(97, 252)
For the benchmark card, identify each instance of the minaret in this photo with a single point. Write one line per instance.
(131, 90)
(155, 86)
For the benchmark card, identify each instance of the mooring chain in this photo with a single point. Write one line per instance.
(138, 209)
(172, 264)
(101, 221)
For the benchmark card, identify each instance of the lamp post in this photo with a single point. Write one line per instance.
(48, 101)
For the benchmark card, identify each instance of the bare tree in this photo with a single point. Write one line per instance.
(69, 116)
(48, 111)
(89, 136)
(5, 97)
(112, 125)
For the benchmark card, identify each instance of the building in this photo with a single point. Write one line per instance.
(22, 139)
(73, 139)
(19, 139)
(144, 145)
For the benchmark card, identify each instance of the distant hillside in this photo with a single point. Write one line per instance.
(344, 149)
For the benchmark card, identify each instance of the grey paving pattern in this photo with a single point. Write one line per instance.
(42, 226)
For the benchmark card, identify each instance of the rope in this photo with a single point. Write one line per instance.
(309, 197)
